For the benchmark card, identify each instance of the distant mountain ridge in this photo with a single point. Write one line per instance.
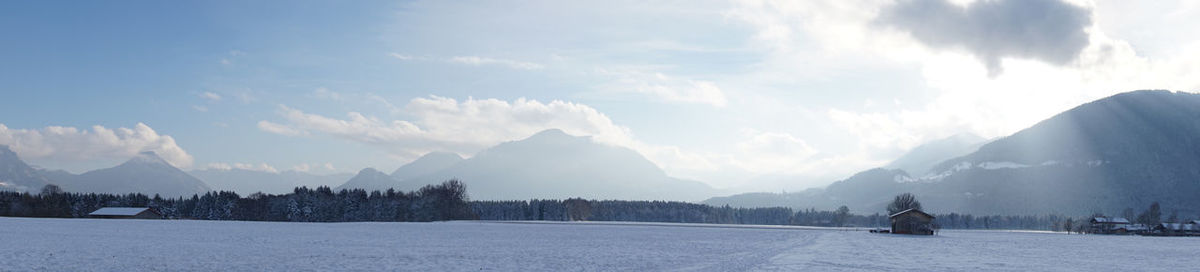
(921, 159)
(16, 175)
(427, 164)
(1123, 151)
(371, 180)
(145, 173)
(551, 164)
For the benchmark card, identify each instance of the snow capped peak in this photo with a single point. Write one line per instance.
(553, 135)
(440, 156)
(147, 158)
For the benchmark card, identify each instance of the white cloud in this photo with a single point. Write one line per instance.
(773, 152)
(200, 108)
(279, 129)
(219, 166)
(400, 56)
(308, 167)
(663, 87)
(211, 96)
(325, 93)
(56, 143)
(448, 124)
(261, 167)
(480, 61)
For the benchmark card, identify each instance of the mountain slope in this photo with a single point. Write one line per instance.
(553, 164)
(919, 160)
(145, 173)
(427, 164)
(371, 180)
(247, 182)
(16, 175)
(1126, 150)
(1123, 151)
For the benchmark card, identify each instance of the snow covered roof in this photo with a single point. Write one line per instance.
(1179, 226)
(1111, 220)
(908, 211)
(118, 211)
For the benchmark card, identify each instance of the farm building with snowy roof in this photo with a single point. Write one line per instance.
(1109, 225)
(912, 221)
(125, 213)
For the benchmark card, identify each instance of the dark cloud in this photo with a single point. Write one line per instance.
(1047, 30)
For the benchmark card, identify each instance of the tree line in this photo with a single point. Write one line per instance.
(449, 201)
(446, 201)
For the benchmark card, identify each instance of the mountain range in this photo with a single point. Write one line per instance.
(549, 165)
(1123, 151)
(145, 173)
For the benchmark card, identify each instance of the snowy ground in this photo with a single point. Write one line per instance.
(137, 245)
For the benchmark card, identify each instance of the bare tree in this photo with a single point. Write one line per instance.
(1151, 216)
(1128, 214)
(578, 209)
(841, 215)
(903, 202)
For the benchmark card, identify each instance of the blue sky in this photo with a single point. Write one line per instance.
(724, 92)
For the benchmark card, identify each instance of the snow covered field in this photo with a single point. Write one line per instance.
(123, 245)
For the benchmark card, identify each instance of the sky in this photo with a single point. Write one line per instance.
(744, 95)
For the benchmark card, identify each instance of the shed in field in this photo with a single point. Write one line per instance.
(912, 221)
(125, 213)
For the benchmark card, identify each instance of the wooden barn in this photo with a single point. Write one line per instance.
(125, 213)
(912, 221)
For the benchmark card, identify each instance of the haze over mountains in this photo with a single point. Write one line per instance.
(921, 159)
(246, 182)
(1123, 151)
(547, 165)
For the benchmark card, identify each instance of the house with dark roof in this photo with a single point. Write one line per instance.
(912, 221)
(126, 213)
